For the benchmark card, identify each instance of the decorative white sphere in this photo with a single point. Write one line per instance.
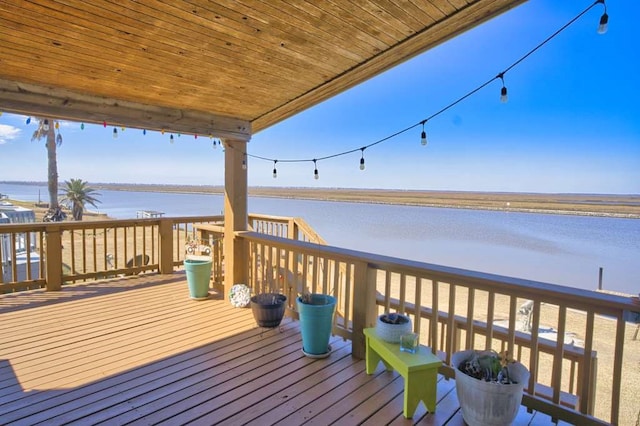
(240, 295)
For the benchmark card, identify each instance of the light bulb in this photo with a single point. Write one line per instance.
(57, 126)
(604, 24)
(82, 126)
(362, 163)
(59, 139)
(144, 132)
(316, 176)
(171, 138)
(244, 164)
(28, 120)
(115, 133)
(45, 125)
(423, 138)
(503, 95)
(275, 173)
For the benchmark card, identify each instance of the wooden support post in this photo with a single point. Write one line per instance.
(364, 306)
(235, 214)
(54, 258)
(165, 237)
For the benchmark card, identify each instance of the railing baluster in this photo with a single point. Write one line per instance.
(585, 386)
(84, 251)
(433, 334)
(556, 374)
(470, 307)
(491, 302)
(73, 253)
(403, 292)
(451, 328)
(513, 306)
(617, 368)
(417, 303)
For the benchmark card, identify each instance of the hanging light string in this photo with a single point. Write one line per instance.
(503, 97)
(602, 28)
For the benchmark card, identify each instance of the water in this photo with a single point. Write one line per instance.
(566, 250)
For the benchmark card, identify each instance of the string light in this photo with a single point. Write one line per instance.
(28, 120)
(275, 172)
(57, 125)
(215, 144)
(104, 124)
(171, 138)
(144, 132)
(604, 19)
(503, 92)
(162, 132)
(81, 126)
(115, 133)
(45, 125)
(602, 28)
(59, 139)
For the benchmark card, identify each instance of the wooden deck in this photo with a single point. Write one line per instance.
(138, 350)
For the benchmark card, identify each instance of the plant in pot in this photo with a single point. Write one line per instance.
(390, 326)
(316, 313)
(268, 307)
(489, 386)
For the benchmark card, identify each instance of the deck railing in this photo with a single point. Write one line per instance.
(68, 252)
(571, 340)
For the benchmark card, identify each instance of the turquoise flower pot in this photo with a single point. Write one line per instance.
(198, 276)
(316, 321)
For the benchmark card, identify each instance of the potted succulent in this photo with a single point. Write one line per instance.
(489, 386)
(390, 326)
(268, 308)
(316, 313)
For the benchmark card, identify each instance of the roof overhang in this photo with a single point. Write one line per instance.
(209, 67)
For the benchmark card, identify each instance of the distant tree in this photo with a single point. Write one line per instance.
(77, 193)
(46, 130)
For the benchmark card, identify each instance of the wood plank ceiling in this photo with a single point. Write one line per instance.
(221, 67)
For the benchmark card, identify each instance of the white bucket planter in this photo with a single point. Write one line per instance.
(392, 332)
(485, 403)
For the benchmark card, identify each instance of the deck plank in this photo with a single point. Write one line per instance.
(137, 350)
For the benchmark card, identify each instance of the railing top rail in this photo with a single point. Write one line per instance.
(270, 218)
(551, 293)
(41, 226)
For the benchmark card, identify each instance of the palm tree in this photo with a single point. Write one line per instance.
(78, 194)
(46, 129)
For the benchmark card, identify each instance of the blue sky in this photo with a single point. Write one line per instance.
(572, 123)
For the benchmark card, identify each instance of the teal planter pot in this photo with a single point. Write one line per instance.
(198, 276)
(316, 321)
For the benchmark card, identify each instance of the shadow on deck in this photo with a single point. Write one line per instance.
(138, 350)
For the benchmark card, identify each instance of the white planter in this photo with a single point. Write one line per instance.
(392, 332)
(485, 403)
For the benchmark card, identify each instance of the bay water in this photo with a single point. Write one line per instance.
(559, 249)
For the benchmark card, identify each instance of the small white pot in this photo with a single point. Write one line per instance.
(392, 332)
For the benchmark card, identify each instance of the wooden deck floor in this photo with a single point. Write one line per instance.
(138, 350)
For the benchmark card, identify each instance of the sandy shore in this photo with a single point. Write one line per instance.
(623, 206)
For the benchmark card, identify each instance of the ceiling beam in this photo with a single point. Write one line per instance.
(45, 101)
